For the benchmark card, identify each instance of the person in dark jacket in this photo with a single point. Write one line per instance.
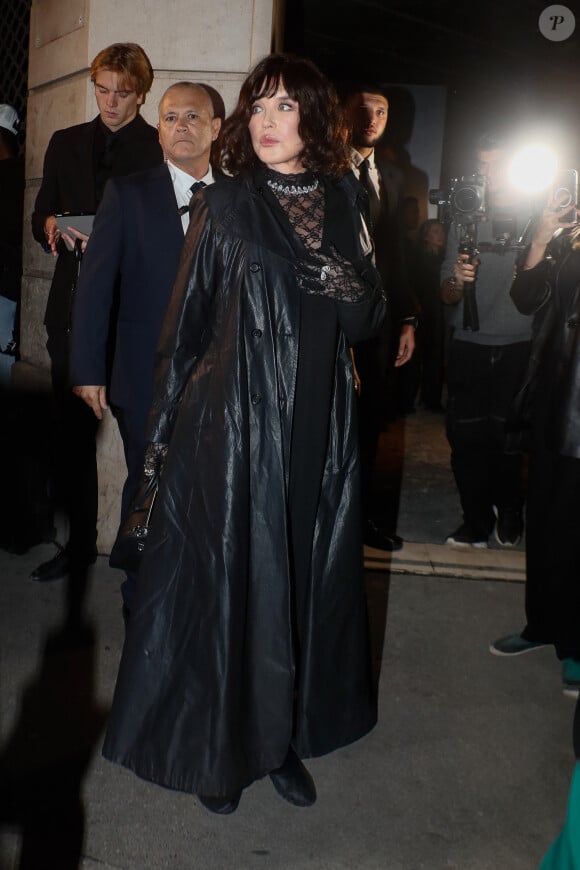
(548, 286)
(247, 646)
(77, 164)
(377, 360)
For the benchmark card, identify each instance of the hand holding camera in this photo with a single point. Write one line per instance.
(561, 213)
(465, 270)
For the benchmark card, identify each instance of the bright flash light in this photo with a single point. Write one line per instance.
(533, 168)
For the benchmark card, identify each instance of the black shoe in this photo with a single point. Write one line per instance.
(293, 782)
(509, 526)
(374, 537)
(464, 536)
(60, 566)
(54, 569)
(221, 805)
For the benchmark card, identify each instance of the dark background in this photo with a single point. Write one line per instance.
(498, 69)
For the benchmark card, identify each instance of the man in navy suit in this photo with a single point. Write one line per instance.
(77, 164)
(137, 239)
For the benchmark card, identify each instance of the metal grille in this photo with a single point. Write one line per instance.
(14, 36)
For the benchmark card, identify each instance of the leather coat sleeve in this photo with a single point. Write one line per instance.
(531, 288)
(364, 318)
(182, 334)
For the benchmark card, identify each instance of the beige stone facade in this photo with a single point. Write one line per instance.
(199, 40)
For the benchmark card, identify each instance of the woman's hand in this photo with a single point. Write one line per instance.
(549, 224)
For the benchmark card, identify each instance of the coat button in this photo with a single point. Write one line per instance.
(255, 267)
(572, 323)
(256, 399)
(257, 333)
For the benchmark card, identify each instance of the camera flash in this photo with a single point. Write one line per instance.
(532, 168)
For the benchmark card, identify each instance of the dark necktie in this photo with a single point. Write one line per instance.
(197, 185)
(374, 202)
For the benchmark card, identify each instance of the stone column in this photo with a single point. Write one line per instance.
(199, 40)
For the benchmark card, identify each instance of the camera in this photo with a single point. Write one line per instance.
(464, 202)
(565, 192)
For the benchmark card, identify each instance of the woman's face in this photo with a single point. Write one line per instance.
(274, 132)
(435, 237)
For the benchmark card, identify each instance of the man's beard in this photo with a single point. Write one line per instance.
(365, 140)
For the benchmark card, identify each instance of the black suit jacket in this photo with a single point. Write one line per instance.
(388, 240)
(68, 185)
(374, 358)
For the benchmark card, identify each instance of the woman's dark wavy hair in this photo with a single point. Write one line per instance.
(322, 127)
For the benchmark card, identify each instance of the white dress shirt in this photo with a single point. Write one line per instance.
(357, 159)
(182, 182)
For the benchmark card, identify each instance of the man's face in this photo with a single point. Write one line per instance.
(187, 128)
(117, 99)
(494, 165)
(369, 114)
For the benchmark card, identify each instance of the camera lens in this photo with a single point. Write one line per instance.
(466, 199)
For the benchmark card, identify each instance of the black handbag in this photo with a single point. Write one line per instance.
(132, 535)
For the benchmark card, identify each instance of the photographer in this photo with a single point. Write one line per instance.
(548, 286)
(487, 360)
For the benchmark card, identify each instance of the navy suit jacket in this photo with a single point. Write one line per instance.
(135, 245)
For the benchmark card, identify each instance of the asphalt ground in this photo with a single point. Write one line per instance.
(468, 767)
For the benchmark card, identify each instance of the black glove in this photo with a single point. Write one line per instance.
(330, 274)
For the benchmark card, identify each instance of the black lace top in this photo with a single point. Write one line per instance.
(301, 197)
(321, 272)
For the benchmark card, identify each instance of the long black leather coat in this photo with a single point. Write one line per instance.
(551, 291)
(209, 681)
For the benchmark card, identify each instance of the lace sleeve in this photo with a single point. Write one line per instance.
(331, 275)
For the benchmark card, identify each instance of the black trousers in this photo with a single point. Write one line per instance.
(75, 470)
(482, 381)
(132, 423)
(74, 451)
(552, 552)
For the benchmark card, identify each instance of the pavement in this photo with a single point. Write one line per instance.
(468, 767)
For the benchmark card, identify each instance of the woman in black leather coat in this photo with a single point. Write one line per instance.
(248, 646)
(548, 285)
